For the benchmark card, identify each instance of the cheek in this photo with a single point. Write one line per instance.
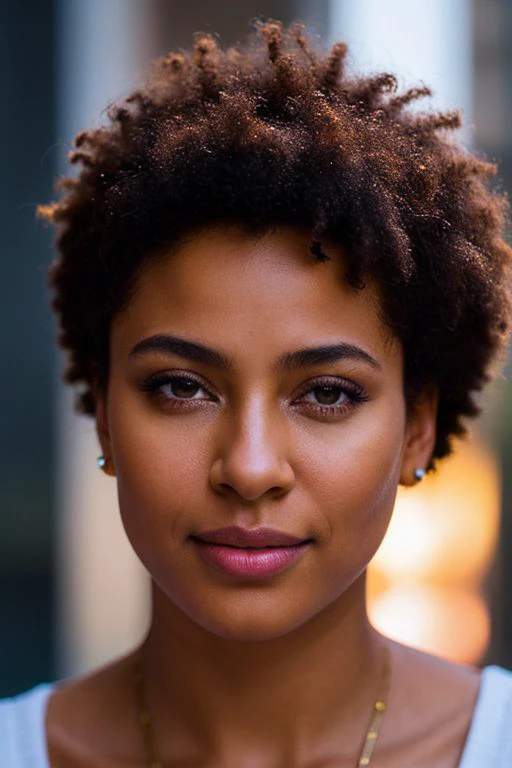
(162, 474)
(352, 480)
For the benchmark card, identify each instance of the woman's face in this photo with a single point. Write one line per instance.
(252, 388)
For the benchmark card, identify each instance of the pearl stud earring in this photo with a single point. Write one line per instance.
(106, 465)
(419, 474)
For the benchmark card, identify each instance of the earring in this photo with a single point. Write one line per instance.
(419, 474)
(106, 466)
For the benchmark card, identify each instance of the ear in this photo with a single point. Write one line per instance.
(103, 432)
(420, 434)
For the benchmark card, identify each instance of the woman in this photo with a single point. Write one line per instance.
(280, 292)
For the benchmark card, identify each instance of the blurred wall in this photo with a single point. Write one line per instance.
(27, 162)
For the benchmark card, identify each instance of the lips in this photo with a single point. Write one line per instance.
(249, 553)
(255, 538)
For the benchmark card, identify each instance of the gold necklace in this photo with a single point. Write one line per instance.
(370, 741)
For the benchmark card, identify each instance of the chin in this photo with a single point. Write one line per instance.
(249, 615)
(249, 631)
(252, 617)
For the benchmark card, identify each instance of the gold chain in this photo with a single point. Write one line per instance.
(370, 742)
(378, 712)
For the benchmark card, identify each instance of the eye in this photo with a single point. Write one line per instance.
(330, 396)
(176, 388)
(327, 394)
(181, 388)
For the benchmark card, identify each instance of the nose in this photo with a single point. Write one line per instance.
(252, 458)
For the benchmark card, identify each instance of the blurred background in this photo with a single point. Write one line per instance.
(71, 593)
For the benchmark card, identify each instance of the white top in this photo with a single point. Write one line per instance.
(489, 742)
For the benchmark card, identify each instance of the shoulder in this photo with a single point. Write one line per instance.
(22, 731)
(454, 715)
(89, 717)
(429, 684)
(431, 705)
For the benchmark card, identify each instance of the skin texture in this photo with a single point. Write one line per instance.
(282, 671)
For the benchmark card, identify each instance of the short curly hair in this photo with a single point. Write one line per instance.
(276, 133)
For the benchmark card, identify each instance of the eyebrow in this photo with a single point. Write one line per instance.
(189, 350)
(301, 358)
(328, 353)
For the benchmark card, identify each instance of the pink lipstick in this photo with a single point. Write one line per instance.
(250, 553)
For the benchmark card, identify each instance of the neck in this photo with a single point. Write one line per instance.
(282, 695)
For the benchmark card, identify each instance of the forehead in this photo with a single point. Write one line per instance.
(227, 286)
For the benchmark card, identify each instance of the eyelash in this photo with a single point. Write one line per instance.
(154, 385)
(354, 393)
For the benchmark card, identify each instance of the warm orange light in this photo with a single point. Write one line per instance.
(453, 623)
(445, 529)
(423, 584)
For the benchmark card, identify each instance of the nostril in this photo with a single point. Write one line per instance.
(250, 476)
